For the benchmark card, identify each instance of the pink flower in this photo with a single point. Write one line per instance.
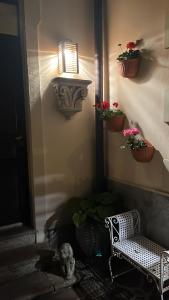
(115, 104)
(135, 131)
(130, 131)
(127, 132)
(105, 105)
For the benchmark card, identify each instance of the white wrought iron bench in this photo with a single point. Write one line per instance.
(145, 255)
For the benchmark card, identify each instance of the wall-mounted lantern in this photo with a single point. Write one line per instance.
(68, 57)
(69, 92)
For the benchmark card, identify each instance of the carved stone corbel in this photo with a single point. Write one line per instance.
(69, 94)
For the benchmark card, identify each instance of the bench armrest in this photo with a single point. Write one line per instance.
(123, 226)
(164, 267)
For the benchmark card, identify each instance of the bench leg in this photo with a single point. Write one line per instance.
(110, 268)
(119, 274)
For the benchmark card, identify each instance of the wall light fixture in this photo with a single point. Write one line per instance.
(69, 92)
(68, 57)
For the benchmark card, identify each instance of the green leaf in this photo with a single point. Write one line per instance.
(79, 218)
(82, 218)
(76, 219)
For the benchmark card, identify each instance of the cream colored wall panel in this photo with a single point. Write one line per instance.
(68, 144)
(141, 98)
(166, 40)
(8, 19)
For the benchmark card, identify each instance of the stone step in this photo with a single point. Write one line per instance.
(16, 238)
(12, 256)
(18, 253)
(26, 288)
(15, 271)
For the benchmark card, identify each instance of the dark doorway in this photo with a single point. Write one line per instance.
(14, 197)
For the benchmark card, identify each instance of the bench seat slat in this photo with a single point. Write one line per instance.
(144, 252)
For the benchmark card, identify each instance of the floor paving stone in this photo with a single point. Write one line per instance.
(64, 294)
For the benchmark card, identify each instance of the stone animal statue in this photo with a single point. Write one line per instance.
(67, 261)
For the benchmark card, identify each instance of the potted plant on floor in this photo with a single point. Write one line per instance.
(89, 218)
(140, 148)
(112, 115)
(129, 60)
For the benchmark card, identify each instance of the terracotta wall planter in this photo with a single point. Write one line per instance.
(116, 124)
(129, 68)
(145, 154)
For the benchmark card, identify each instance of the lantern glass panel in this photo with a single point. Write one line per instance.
(68, 57)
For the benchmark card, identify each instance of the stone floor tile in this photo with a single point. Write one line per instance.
(64, 294)
(58, 282)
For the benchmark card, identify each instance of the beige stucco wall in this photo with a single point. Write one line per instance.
(8, 19)
(62, 150)
(68, 144)
(142, 99)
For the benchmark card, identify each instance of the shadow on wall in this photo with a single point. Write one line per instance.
(58, 201)
(151, 58)
(68, 148)
(148, 65)
(54, 229)
(56, 232)
(52, 137)
(144, 105)
(36, 138)
(63, 210)
(123, 167)
(68, 159)
(68, 145)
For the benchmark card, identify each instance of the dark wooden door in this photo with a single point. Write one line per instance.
(14, 206)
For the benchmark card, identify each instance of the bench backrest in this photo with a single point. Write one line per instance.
(123, 226)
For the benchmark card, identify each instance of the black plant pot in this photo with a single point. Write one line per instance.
(93, 239)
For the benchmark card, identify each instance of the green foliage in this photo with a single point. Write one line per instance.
(108, 114)
(105, 112)
(134, 143)
(128, 55)
(96, 207)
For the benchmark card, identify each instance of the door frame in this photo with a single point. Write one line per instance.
(21, 32)
(20, 20)
(31, 81)
(29, 41)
